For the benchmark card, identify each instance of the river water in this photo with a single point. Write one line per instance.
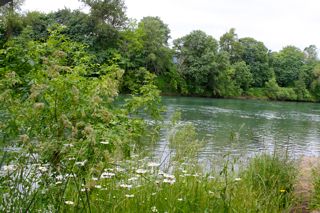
(247, 126)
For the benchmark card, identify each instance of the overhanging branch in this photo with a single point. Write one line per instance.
(4, 2)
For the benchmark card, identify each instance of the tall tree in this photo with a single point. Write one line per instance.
(196, 58)
(288, 65)
(256, 56)
(107, 18)
(10, 18)
(229, 43)
(112, 12)
(155, 35)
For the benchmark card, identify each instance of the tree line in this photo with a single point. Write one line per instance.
(196, 64)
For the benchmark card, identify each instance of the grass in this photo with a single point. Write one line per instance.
(142, 184)
(315, 201)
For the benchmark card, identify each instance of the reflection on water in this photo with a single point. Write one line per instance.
(248, 126)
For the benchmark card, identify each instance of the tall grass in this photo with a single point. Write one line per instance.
(315, 201)
(141, 184)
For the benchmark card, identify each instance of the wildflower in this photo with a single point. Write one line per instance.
(141, 171)
(119, 169)
(68, 145)
(106, 175)
(170, 181)
(104, 142)
(211, 177)
(237, 179)
(168, 176)
(59, 177)
(282, 190)
(43, 169)
(58, 182)
(98, 186)
(196, 175)
(94, 178)
(83, 190)
(129, 196)
(153, 164)
(180, 199)
(68, 202)
(133, 179)
(9, 168)
(71, 159)
(71, 175)
(154, 209)
(81, 163)
(127, 186)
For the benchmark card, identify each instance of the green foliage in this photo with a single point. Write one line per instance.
(288, 65)
(10, 18)
(315, 200)
(196, 60)
(315, 86)
(271, 180)
(275, 92)
(242, 75)
(39, 23)
(58, 108)
(229, 43)
(256, 56)
(111, 12)
(158, 57)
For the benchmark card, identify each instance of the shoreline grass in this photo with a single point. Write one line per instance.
(142, 184)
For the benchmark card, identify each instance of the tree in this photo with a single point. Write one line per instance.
(10, 18)
(112, 12)
(288, 65)
(107, 17)
(196, 59)
(155, 34)
(39, 22)
(242, 75)
(229, 43)
(256, 56)
(4, 2)
(315, 86)
(311, 52)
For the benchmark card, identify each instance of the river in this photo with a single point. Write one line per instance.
(247, 126)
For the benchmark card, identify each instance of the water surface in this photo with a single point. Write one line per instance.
(248, 126)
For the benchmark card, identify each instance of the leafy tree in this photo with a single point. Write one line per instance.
(11, 19)
(311, 53)
(315, 86)
(196, 60)
(311, 60)
(301, 90)
(111, 12)
(155, 35)
(242, 75)
(131, 46)
(39, 23)
(229, 43)
(256, 56)
(288, 65)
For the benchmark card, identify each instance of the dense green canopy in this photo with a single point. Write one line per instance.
(196, 64)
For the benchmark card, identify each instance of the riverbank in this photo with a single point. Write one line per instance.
(244, 97)
(265, 182)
